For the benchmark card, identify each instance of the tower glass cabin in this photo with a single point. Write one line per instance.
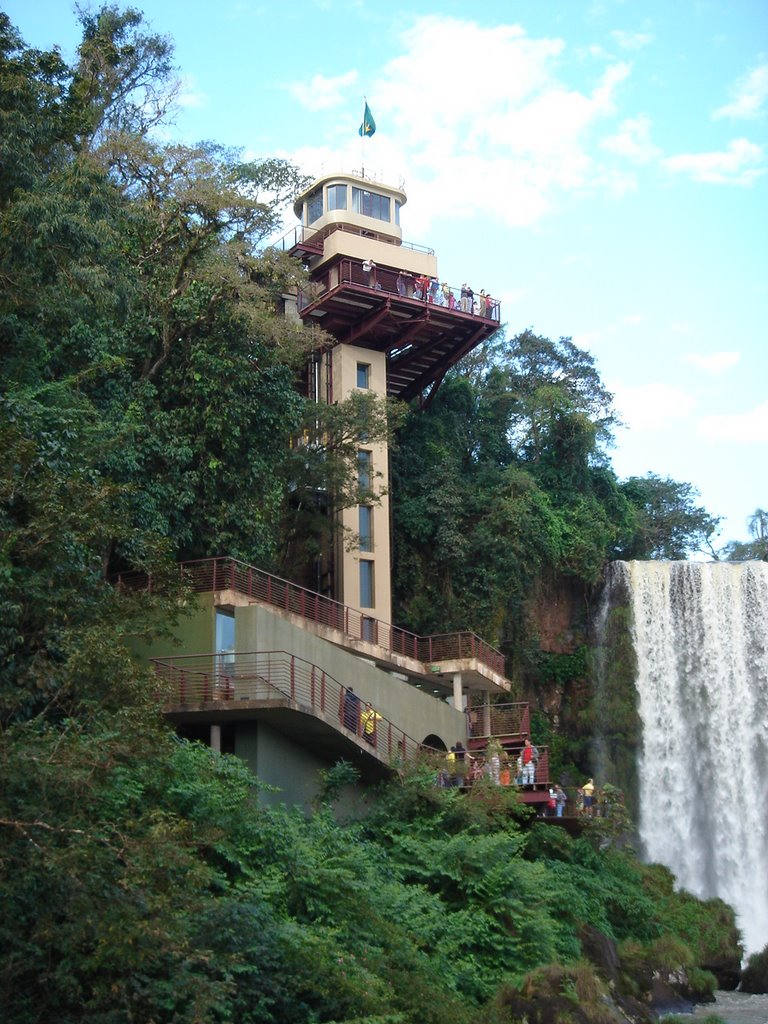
(396, 328)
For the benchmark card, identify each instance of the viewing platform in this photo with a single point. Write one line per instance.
(423, 326)
(233, 582)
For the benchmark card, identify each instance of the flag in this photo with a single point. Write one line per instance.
(368, 127)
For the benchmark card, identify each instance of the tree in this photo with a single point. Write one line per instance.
(757, 546)
(667, 522)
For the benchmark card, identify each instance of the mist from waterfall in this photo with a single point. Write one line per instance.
(701, 640)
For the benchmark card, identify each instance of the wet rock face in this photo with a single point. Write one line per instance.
(727, 970)
(754, 978)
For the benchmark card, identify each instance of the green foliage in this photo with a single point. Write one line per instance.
(757, 546)
(754, 977)
(149, 414)
(667, 523)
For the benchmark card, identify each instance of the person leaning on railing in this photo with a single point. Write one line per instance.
(369, 720)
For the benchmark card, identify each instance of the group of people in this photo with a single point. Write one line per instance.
(429, 289)
(362, 719)
(462, 768)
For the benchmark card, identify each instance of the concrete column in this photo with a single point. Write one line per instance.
(486, 713)
(458, 702)
(216, 738)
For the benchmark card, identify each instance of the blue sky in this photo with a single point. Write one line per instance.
(599, 166)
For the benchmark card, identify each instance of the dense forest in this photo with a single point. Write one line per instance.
(149, 400)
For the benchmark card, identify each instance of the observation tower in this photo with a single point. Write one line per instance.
(396, 330)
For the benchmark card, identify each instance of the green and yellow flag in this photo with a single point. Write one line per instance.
(368, 127)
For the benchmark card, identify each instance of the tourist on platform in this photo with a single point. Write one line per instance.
(351, 710)
(464, 307)
(530, 756)
(369, 720)
(447, 294)
(588, 792)
(493, 762)
(519, 772)
(470, 300)
(551, 802)
(561, 799)
(400, 283)
(369, 268)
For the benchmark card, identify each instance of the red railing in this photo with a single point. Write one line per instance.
(230, 574)
(510, 769)
(498, 720)
(408, 286)
(201, 680)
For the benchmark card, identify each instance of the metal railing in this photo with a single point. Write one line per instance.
(509, 771)
(418, 288)
(498, 720)
(211, 574)
(309, 236)
(202, 680)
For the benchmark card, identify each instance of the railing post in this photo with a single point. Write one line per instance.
(182, 686)
(312, 686)
(250, 581)
(322, 692)
(206, 687)
(293, 677)
(269, 590)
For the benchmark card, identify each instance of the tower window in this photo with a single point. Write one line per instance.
(370, 204)
(365, 527)
(364, 470)
(363, 375)
(337, 197)
(366, 583)
(315, 206)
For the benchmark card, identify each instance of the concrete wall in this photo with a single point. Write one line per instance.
(417, 713)
(195, 633)
(277, 761)
(345, 360)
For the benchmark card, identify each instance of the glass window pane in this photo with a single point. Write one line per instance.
(363, 375)
(366, 584)
(370, 204)
(337, 197)
(315, 206)
(364, 470)
(365, 527)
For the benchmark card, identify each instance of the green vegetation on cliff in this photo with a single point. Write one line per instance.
(148, 403)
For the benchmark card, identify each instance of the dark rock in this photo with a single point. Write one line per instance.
(754, 978)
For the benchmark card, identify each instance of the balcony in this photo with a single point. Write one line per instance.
(446, 652)
(423, 327)
(299, 699)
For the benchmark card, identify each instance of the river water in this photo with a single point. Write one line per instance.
(734, 1008)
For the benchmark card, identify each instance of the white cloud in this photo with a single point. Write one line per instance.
(745, 427)
(740, 164)
(651, 407)
(322, 93)
(506, 138)
(716, 363)
(749, 95)
(631, 40)
(633, 140)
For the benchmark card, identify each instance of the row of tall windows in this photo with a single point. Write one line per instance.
(370, 204)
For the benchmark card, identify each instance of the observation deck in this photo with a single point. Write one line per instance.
(424, 327)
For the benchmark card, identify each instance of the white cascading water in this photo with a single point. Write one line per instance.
(701, 640)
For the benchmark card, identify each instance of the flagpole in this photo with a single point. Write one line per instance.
(362, 141)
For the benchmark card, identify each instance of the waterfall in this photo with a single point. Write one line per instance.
(700, 632)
